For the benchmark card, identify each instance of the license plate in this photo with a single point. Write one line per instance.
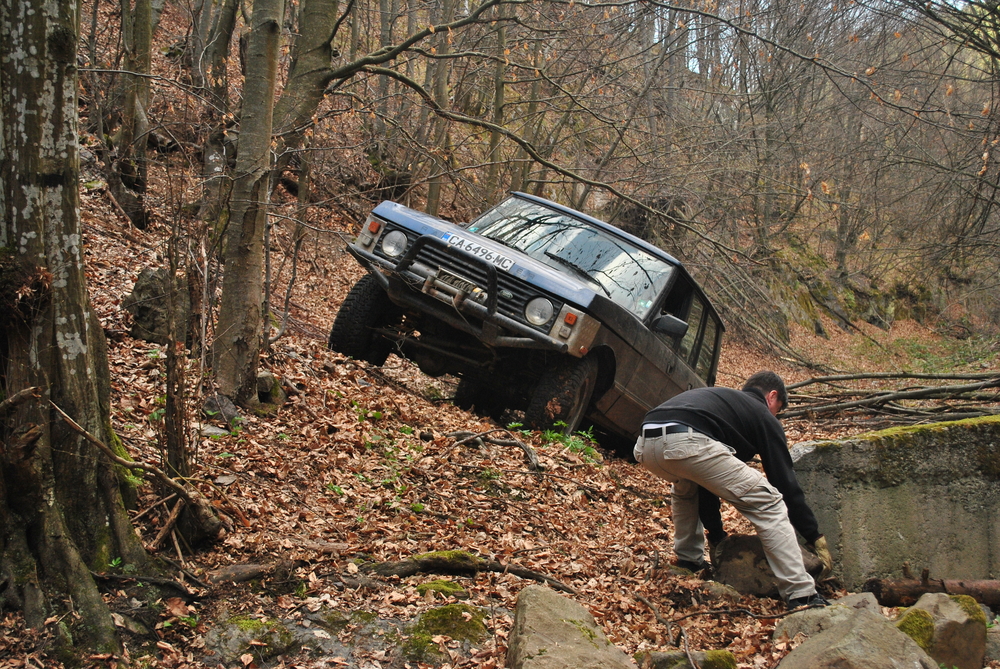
(477, 249)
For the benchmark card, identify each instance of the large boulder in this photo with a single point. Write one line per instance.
(928, 495)
(951, 628)
(865, 640)
(148, 305)
(678, 659)
(809, 622)
(553, 632)
(740, 563)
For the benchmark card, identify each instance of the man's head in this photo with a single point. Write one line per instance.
(773, 388)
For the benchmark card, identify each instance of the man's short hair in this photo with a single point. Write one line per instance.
(767, 381)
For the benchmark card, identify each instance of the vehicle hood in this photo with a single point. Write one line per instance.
(533, 271)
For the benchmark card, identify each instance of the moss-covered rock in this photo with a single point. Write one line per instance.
(263, 638)
(460, 622)
(919, 626)
(446, 588)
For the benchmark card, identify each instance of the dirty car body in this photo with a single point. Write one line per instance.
(536, 307)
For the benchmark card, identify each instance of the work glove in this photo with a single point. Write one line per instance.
(713, 546)
(822, 551)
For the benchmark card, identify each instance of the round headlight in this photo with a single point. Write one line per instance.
(394, 243)
(539, 311)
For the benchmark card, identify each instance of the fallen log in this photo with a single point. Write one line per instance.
(906, 591)
(463, 564)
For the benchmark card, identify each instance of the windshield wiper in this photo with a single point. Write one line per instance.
(579, 270)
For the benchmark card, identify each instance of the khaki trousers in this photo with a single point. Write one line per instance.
(691, 459)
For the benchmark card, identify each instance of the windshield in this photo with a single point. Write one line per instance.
(626, 274)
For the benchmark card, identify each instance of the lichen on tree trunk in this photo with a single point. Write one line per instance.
(61, 512)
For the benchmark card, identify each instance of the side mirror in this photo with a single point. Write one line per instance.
(670, 325)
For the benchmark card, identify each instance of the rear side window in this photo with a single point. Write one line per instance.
(709, 344)
(689, 345)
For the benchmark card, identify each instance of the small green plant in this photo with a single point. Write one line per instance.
(115, 563)
(578, 442)
(417, 507)
(190, 621)
(518, 427)
(282, 436)
(406, 429)
(226, 455)
(157, 414)
(301, 590)
(334, 488)
(489, 474)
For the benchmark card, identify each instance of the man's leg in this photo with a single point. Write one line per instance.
(689, 533)
(715, 468)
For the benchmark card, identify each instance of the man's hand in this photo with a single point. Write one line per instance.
(822, 551)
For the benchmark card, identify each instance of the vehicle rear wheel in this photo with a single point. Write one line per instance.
(366, 307)
(562, 395)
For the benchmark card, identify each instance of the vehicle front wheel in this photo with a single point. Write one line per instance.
(562, 395)
(366, 307)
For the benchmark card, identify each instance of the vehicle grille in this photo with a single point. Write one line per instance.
(511, 307)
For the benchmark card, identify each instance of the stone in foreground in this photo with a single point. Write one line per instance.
(553, 632)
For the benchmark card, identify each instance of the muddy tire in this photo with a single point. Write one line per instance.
(562, 395)
(366, 307)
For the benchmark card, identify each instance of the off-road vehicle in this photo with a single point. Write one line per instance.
(536, 308)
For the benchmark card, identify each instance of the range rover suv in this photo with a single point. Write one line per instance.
(536, 308)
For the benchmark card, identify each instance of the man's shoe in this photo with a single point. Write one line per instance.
(813, 601)
(693, 567)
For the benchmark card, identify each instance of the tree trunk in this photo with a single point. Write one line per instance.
(238, 339)
(61, 513)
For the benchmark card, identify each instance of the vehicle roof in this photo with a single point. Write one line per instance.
(641, 243)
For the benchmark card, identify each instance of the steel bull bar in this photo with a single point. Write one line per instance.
(493, 321)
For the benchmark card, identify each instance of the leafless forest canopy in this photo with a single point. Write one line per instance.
(821, 156)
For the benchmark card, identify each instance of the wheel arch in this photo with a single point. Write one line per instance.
(607, 367)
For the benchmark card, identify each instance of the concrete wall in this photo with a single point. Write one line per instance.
(927, 495)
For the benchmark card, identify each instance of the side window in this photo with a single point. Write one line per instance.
(689, 345)
(710, 342)
(676, 304)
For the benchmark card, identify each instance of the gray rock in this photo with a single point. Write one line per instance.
(865, 640)
(677, 659)
(951, 628)
(741, 564)
(811, 621)
(148, 305)
(269, 389)
(207, 430)
(553, 632)
(993, 644)
(814, 621)
(720, 592)
(220, 407)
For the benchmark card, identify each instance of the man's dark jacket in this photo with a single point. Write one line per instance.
(740, 419)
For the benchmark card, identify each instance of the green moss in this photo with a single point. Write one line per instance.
(454, 557)
(364, 617)
(248, 624)
(971, 607)
(718, 659)
(586, 631)
(446, 588)
(458, 621)
(919, 626)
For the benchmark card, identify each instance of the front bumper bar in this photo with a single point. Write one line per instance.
(402, 292)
